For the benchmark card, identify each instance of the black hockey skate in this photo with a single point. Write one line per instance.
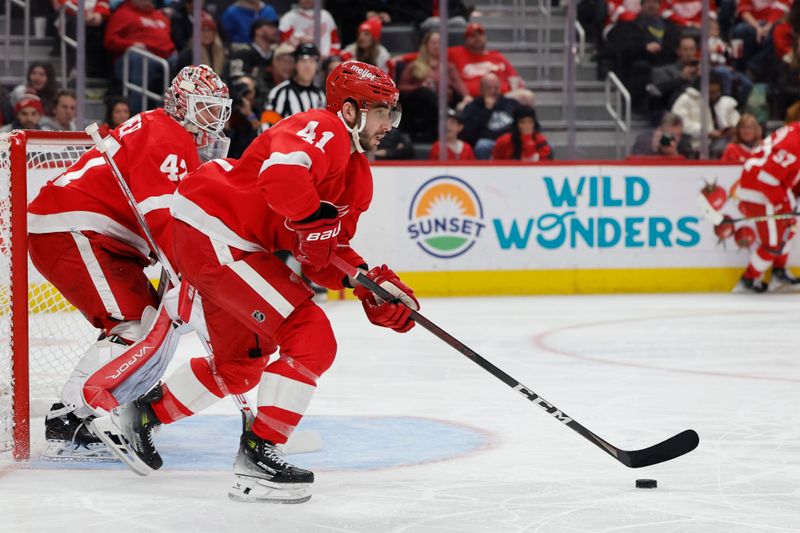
(749, 286)
(128, 432)
(69, 439)
(783, 281)
(262, 475)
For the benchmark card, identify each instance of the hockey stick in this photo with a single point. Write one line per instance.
(669, 449)
(717, 218)
(94, 132)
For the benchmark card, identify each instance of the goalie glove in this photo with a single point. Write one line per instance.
(316, 236)
(393, 315)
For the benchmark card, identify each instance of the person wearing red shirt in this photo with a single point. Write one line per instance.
(757, 18)
(766, 189)
(457, 150)
(96, 15)
(473, 62)
(137, 23)
(746, 142)
(85, 239)
(302, 185)
(525, 142)
(686, 13)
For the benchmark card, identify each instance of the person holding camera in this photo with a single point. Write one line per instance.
(667, 140)
(244, 124)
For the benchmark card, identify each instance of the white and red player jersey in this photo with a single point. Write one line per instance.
(686, 12)
(622, 11)
(300, 23)
(764, 10)
(283, 174)
(153, 152)
(771, 173)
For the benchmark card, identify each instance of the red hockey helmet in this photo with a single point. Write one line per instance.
(198, 99)
(365, 84)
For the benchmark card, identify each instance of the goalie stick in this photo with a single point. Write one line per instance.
(673, 447)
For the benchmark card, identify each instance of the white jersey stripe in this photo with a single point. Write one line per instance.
(67, 177)
(285, 393)
(263, 287)
(292, 158)
(98, 277)
(155, 202)
(86, 221)
(187, 211)
(189, 390)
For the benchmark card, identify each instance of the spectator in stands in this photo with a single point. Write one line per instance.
(137, 24)
(64, 115)
(720, 110)
(525, 141)
(395, 145)
(28, 112)
(244, 124)
(757, 18)
(299, 92)
(687, 13)
(282, 66)
(488, 117)
(40, 81)
(667, 140)
(621, 11)
(253, 59)
(6, 111)
(669, 81)
(330, 63)
(786, 34)
(212, 51)
(457, 149)
(746, 140)
(95, 16)
(367, 47)
(297, 26)
(734, 82)
(238, 19)
(634, 47)
(118, 110)
(473, 62)
(419, 87)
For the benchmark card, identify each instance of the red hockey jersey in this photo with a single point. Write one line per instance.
(770, 174)
(283, 174)
(153, 153)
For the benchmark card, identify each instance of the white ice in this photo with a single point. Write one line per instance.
(634, 369)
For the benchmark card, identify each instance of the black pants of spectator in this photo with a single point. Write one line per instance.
(421, 114)
(98, 62)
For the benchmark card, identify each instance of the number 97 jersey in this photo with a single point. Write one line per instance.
(769, 176)
(153, 153)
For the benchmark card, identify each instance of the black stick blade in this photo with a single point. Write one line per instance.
(671, 448)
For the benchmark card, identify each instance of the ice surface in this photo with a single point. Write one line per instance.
(417, 438)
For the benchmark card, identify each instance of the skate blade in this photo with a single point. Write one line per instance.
(783, 288)
(249, 489)
(64, 451)
(105, 429)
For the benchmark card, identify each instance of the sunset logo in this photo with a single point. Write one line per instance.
(446, 217)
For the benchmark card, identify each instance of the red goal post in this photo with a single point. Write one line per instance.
(41, 335)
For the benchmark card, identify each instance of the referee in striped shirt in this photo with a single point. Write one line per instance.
(298, 93)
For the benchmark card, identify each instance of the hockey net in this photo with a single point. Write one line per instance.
(41, 335)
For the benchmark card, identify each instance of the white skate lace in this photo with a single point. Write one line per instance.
(275, 455)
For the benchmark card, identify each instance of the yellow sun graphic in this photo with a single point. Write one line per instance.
(446, 199)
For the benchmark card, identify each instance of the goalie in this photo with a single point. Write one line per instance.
(85, 239)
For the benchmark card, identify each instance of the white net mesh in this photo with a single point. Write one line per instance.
(58, 334)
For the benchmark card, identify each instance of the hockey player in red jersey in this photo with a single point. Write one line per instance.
(85, 239)
(766, 190)
(301, 185)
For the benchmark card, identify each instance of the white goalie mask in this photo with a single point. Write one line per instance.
(198, 99)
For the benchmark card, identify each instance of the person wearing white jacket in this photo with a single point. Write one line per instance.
(722, 115)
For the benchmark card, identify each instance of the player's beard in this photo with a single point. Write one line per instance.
(369, 143)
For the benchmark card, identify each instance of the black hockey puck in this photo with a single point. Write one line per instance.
(646, 483)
